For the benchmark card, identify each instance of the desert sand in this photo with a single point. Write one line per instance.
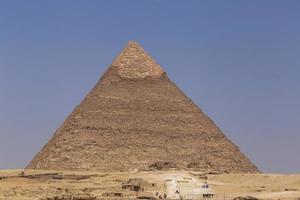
(58, 185)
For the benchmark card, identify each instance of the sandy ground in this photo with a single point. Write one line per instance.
(39, 185)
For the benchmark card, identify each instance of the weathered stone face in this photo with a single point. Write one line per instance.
(135, 117)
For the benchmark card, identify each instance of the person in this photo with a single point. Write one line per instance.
(22, 174)
(205, 185)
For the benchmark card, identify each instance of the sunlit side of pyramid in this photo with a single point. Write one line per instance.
(135, 117)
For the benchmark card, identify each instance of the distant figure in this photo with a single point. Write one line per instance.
(205, 185)
(165, 196)
(22, 174)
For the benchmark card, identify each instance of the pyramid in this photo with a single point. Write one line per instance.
(135, 117)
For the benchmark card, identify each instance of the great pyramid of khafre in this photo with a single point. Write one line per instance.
(135, 117)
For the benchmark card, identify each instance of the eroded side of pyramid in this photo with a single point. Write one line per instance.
(135, 117)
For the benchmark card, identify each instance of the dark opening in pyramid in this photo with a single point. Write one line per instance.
(136, 118)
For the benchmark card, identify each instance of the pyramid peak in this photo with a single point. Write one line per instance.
(135, 63)
(133, 42)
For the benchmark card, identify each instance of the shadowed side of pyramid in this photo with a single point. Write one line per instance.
(135, 117)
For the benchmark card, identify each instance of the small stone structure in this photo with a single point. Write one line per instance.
(136, 184)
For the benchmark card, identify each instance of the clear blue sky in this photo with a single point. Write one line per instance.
(238, 60)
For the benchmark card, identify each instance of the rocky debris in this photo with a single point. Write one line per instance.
(57, 176)
(246, 198)
(73, 177)
(112, 194)
(201, 164)
(134, 117)
(201, 176)
(146, 198)
(70, 197)
(45, 176)
(163, 165)
(291, 189)
(216, 172)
